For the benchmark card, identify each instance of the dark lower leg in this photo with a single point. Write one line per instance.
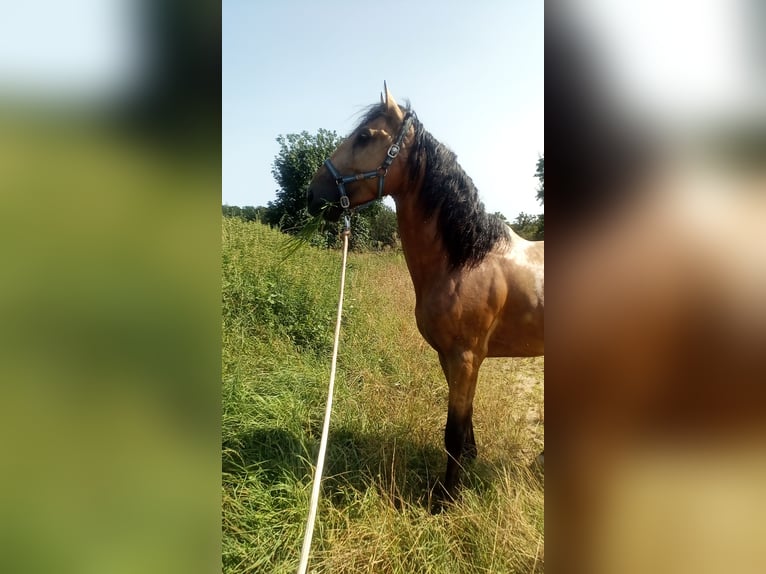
(454, 440)
(461, 371)
(469, 446)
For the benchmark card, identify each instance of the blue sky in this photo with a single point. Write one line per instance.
(473, 72)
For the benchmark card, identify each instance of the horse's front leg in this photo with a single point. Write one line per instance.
(461, 370)
(469, 447)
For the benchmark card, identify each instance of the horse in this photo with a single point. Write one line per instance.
(478, 285)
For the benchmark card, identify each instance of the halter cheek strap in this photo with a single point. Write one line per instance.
(380, 173)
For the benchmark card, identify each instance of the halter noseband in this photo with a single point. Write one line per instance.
(380, 173)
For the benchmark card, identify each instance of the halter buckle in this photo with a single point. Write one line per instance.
(344, 202)
(393, 151)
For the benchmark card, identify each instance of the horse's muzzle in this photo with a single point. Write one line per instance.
(316, 203)
(332, 213)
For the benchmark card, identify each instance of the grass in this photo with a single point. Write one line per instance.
(385, 449)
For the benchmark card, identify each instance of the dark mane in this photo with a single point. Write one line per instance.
(467, 230)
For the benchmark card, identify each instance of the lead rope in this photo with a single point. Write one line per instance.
(326, 427)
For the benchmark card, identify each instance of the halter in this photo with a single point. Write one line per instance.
(380, 173)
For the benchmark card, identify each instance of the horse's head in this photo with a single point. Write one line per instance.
(363, 169)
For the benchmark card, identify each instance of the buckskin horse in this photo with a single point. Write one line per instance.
(478, 285)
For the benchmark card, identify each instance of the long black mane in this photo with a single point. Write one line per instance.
(468, 232)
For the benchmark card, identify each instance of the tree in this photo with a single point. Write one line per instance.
(300, 156)
(383, 225)
(529, 226)
(231, 210)
(250, 213)
(501, 217)
(533, 226)
(247, 213)
(540, 174)
(372, 228)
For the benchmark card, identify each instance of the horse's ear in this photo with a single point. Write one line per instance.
(390, 102)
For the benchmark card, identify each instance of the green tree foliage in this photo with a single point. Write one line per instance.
(529, 226)
(383, 225)
(540, 174)
(247, 213)
(501, 217)
(300, 156)
(533, 226)
(373, 228)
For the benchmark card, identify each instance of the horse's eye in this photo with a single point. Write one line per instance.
(363, 137)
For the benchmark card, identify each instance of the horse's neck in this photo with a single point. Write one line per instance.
(421, 243)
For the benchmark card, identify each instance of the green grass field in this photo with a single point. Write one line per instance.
(385, 449)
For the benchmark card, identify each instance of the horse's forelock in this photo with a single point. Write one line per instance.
(376, 111)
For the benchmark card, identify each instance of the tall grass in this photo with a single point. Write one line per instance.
(385, 449)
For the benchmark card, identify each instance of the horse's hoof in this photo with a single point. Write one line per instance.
(441, 499)
(438, 506)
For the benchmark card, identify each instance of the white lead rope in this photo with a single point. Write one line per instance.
(326, 427)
